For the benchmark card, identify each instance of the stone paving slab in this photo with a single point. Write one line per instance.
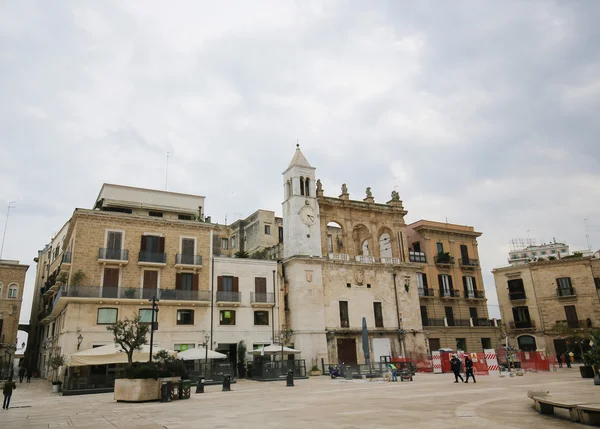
(431, 401)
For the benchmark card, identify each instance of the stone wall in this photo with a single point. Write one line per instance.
(11, 274)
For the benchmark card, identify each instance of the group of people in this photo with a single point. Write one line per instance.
(456, 364)
(566, 357)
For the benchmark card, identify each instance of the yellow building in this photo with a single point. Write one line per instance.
(535, 296)
(452, 296)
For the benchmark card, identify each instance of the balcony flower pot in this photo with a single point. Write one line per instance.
(587, 371)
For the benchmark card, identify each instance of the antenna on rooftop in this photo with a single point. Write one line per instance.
(167, 172)
(587, 235)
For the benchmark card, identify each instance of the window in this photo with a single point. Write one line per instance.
(117, 210)
(261, 318)
(224, 243)
(378, 314)
(516, 289)
(13, 291)
(155, 214)
(184, 217)
(267, 229)
(424, 317)
(543, 253)
(344, 316)
(434, 344)
(474, 316)
(145, 315)
(416, 246)
(439, 247)
(469, 285)
(486, 343)
(464, 253)
(449, 316)
(572, 319)
(260, 285)
(422, 284)
(183, 347)
(563, 251)
(554, 251)
(188, 246)
(301, 185)
(227, 317)
(152, 245)
(445, 282)
(233, 241)
(461, 344)
(329, 243)
(307, 187)
(527, 343)
(280, 234)
(565, 288)
(185, 317)
(106, 316)
(227, 284)
(521, 317)
(596, 281)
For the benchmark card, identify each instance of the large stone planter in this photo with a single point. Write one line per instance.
(139, 389)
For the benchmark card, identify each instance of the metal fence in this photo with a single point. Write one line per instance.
(262, 369)
(213, 372)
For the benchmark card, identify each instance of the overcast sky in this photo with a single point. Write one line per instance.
(484, 113)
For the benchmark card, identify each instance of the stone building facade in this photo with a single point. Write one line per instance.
(12, 283)
(535, 296)
(453, 304)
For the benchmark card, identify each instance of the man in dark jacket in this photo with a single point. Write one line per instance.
(9, 386)
(455, 364)
(469, 369)
(21, 374)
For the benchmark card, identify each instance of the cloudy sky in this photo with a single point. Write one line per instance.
(484, 113)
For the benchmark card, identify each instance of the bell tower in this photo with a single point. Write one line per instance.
(301, 220)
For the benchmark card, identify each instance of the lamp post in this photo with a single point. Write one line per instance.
(282, 337)
(79, 341)
(206, 338)
(154, 302)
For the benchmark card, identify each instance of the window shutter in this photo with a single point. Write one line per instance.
(474, 283)
(450, 282)
(178, 278)
(143, 244)
(220, 283)
(440, 281)
(236, 284)
(569, 282)
(260, 285)
(195, 282)
(465, 284)
(161, 245)
(424, 277)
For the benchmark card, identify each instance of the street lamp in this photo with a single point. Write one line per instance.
(79, 341)
(154, 302)
(206, 338)
(282, 336)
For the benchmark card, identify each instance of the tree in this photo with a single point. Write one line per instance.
(63, 278)
(77, 277)
(241, 355)
(573, 336)
(130, 334)
(55, 363)
(241, 254)
(592, 357)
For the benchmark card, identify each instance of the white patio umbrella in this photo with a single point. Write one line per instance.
(274, 349)
(110, 354)
(200, 354)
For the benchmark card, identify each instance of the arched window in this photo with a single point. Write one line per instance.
(13, 291)
(365, 248)
(301, 185)
(288, 189)
(307, 187)
(527, 343)
(385, 245)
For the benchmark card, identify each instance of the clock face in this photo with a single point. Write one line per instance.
(308, 216)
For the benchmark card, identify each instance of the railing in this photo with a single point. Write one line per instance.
(183, 259)
(153, 257)
(516, 296)
(339, 256)
(113, 254)
(66, 257)
(524, 324)
(426, 292)
(565, 292)
(261, 369)
(365, 259)
(212, 371)
(433, 322)
(474, 294)
(228, 296)
(184, 295)
(469, 262)
(444, 260)
(391, 261)
(132, 293)
(481, 321)
(262, 297)
(459, 322)
(449, 293)
(417, 256)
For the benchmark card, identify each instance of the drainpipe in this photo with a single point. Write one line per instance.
(273, 310)
(401, 338)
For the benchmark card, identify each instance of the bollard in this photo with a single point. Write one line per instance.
(348, 373)
(290, 379)
(165, 394)
(200, 385)
(227, 383)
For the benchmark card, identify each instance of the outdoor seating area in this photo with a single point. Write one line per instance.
(265, 365)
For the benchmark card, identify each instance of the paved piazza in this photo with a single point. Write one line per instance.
(431, 401)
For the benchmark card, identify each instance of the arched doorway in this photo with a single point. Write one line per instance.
(527, 343)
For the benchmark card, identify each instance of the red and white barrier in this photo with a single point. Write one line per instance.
(491, 358)
(437, 362)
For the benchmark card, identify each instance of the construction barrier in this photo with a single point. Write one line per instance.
(437, 362)
(446, 357)
(533, 361)
(479, 363)
(491, 358)
(422, 362)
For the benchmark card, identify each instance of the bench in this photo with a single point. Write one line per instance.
(545, 404)
(589, 414)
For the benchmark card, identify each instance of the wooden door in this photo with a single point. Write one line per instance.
(110, 284)
(150, 284)
(434, 344)
(346, 348)
(464, 254)
(571, 313)
(260, 285)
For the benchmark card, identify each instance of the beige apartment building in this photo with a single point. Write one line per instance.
(12, 283)
(452, 297)
(535, 296)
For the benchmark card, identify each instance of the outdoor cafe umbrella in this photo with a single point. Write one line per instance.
(274, 349)
(111, 354)
(200, 353)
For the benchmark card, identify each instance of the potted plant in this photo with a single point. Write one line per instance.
(315, 371)
(130, 292)
(443, 257)
(76, 279)
(62, 278)
(241, 352)
(592, 357)
(55, 363)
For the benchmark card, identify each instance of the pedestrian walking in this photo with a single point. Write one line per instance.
(9, 386)
(394, 371)
(567, 360)
(469, 369)
(455, 365)
(559, 360)
(29, 374)
(21, 374)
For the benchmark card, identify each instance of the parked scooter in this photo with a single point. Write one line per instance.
(334, 372)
